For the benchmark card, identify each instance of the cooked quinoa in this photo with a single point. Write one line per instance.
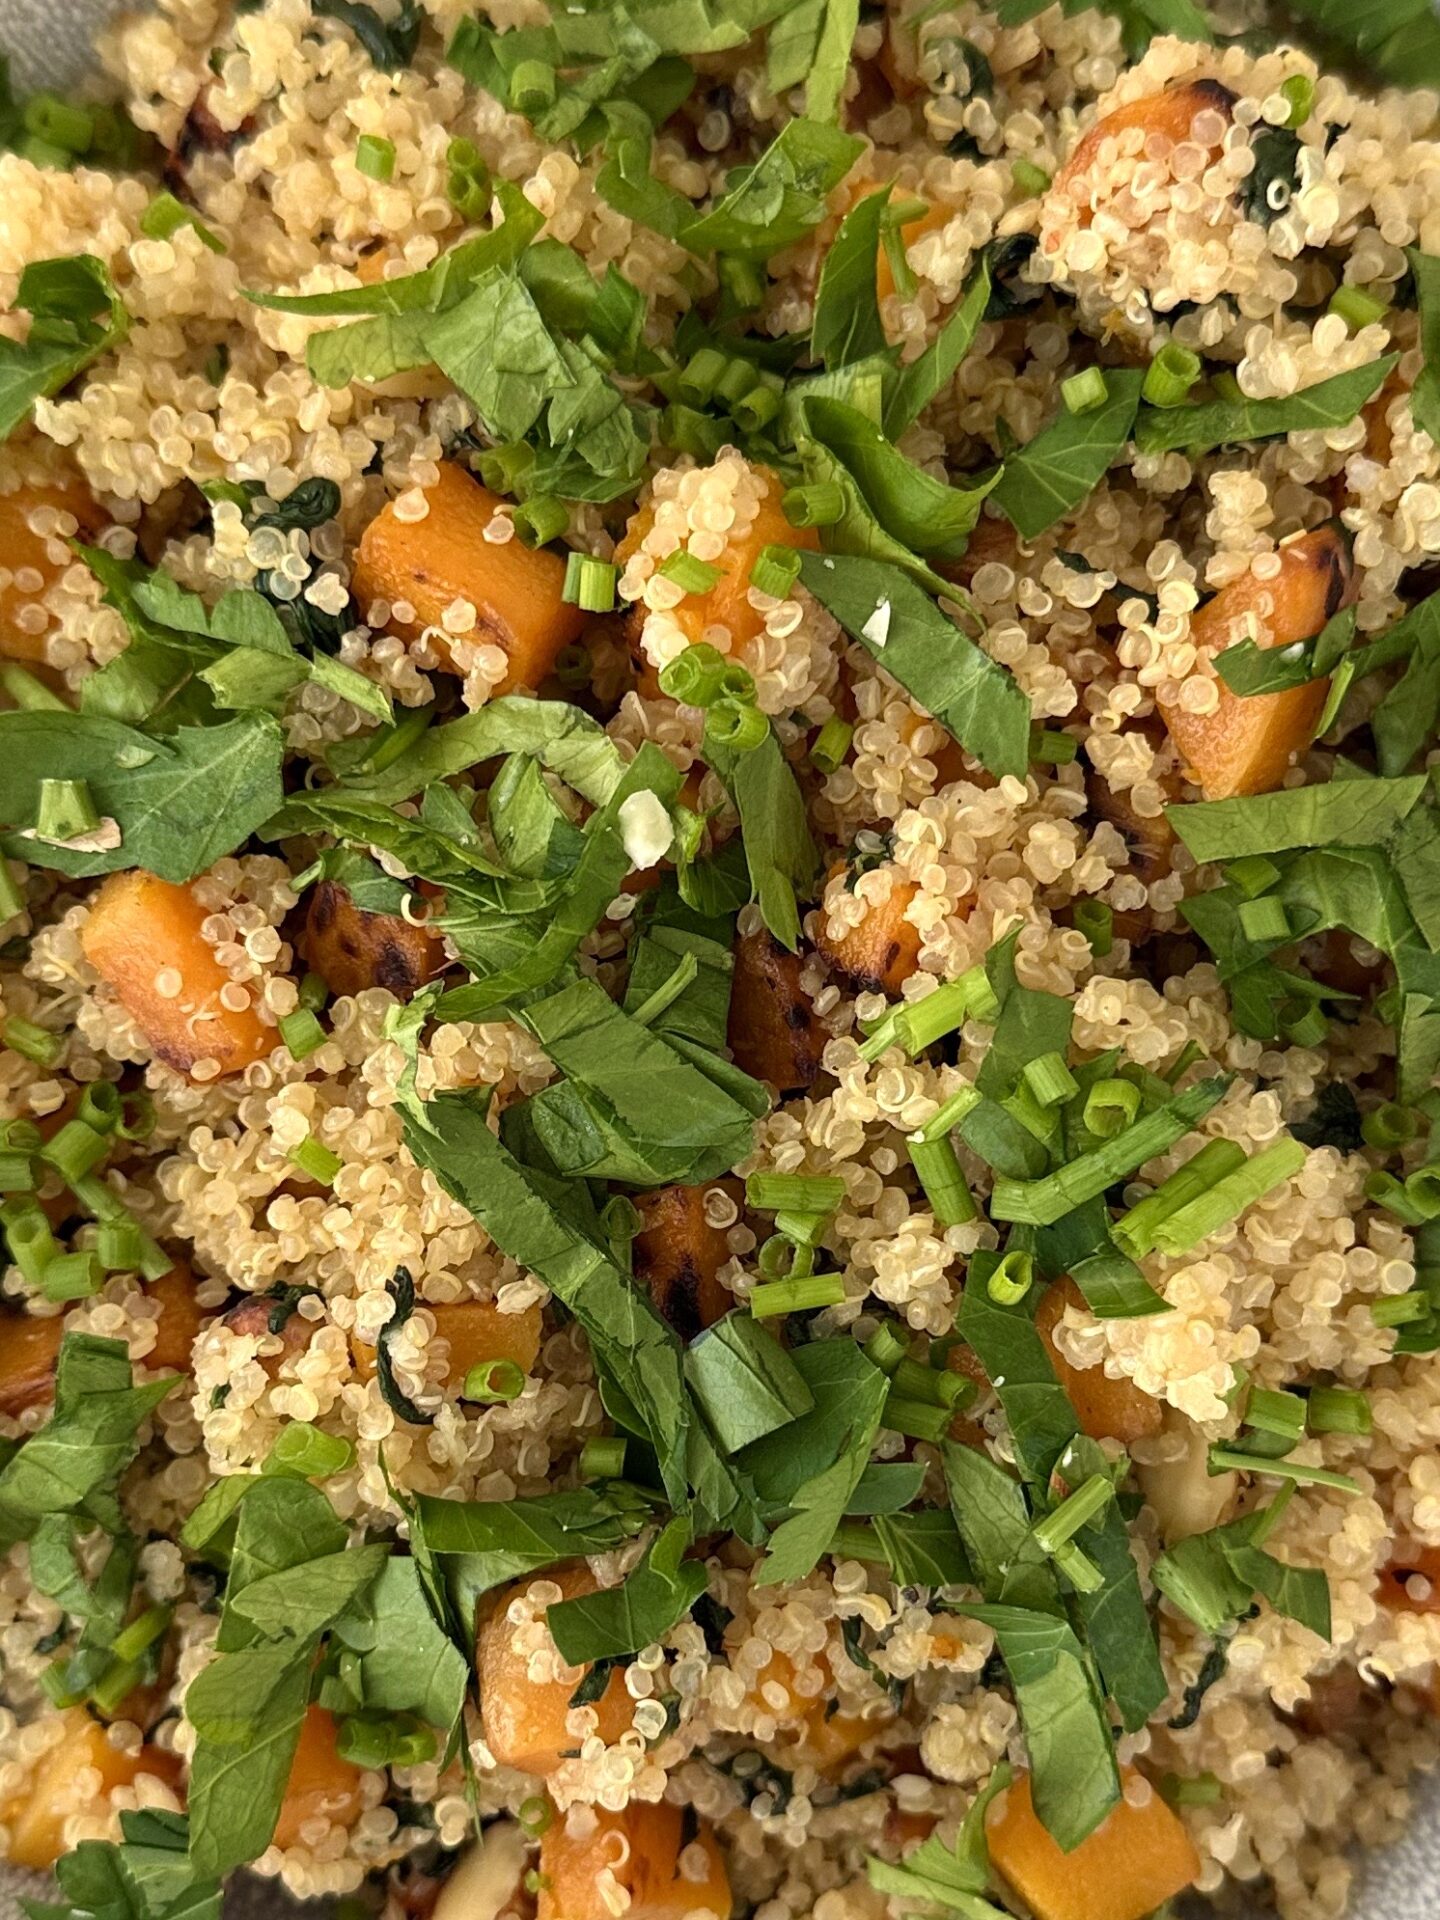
(721, 959)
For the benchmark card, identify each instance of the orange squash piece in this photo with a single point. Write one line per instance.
(351, 949)
(144, 933)
(1137, 1859)
(677, 1256)
(28, 1352)
(772, 1030)
(321, 1784)
(806, 1726)
(727, 603)
(1169, 114)
(1106, 1408)
(525, 1719)
(428, 564)
(179, 1323)
(63, 1785)
(637, 1852)
(475, 1330)
(1248, 742)
(30, 563)
(880, 954)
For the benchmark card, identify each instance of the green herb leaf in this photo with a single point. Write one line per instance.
(774, 203)
(779, 852)
(847, 325)
(746, 1383)
(1052, 474)
(1041, 1419)
(1397, 41)
(63, 298)
(842, 1384)
(923, 1547)
(1224, 423)
(921, 512)
(1345, 813)
(918, 382)
(645, 1606)
(939, 1876)
(407, 1664)
(246, 1709)
(146, 1876)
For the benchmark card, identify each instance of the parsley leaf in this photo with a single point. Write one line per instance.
(746, 1383)
(779, 852)
(846, 326)
(775, 202)
(1223, 423)
(921, 512)
(63, 298)
(1052, 474)
(918, 382)
(147, 1875)
(648, 1603)
(1338, 813)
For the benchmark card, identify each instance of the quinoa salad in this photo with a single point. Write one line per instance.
(720, 971)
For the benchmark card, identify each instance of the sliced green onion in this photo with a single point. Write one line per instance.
(943, 1123)
(1384, 1190)
(165, 215)
(1170, 376)
(1299, 90)
(535, 1815)
(375, 157)
(603, 1459)
(28, 693)
(830, 746)
(75, 1150)
(493, 1381)
(700, 376)
(937, 1168)
(694, 677)
(1096, 921)
(1012, 1278)
(120, 1245)
(1422, 1190)
(916, 1419)
(737, 725)
(1357, 308)
(1049, 1080)
(17, 1172)
(308, 1453)
(756, 408)
(302, 1033)
(1307, 1029)
(885, 1349)
(1253, 874)
(1230, 1196)
(44, 153)
(1389, 1125)
(1084, 392)
(32, 1244)
(589, 583)
(1263, 919)
(467, 185)
(794, 1192)
(775, 571)
(315, 1159)
(1078, 1568)
(59, 123)
(1082, 1508)
(1339, 1410)
(541, 520)
(72, 1276)
(1196, 1790)
(1271, 1411)
(99, 1106)
(532, 86)
(32, 1042)
(313, 993)
(1399, 1309)
(1029, 179)
(1050, 748)
(503, 468)
(917, 1024)
(1110, 1106)
(1187, 1056)
(690, 573)
(776, 1258)
(66, 810)
(805, 1293)
(742, 281)
(935, 1385)
(141, 1634)
(1135, 1233)
(1231, 1460)
(818, 505)
(802, 1229)
(12, 894)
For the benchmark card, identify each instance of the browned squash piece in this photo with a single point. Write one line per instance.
(74, 1777)
(772, 1029)
(1137, 1859)
(475, 1331)
(1248, 742)
(880, 954)
(142, 935)
(28, 1351)
(805, 1725)
(352, 950)
(1149, 841)
(321, 1784)
(678, 1254)
(727, 603)
(525, 1719)
(428, 564)
(178, 1326)
(632, 1859)
(31, 563)
(1106, 1408)
(1169, 114)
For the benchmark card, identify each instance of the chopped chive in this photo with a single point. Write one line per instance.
(1084, 392)
(313, 993)
(1230, 1196)
(885, 1349)
(916, 1419)
(1299, 90)
(541, 520)
(742, 281)
(1422, 1190)
(1135, 1233)
(794, 1192)
(17, 1172)
(32, 1244)
(1231, 1460)
(1263, 919)
(59, 124)
(28, 693)
(316, 1160)
(1196, 1790)
(737, 724)
(503, 468)
(1307, 1029)
(803, 1293)
(1187, 1056)
(32, 1042)
(165, 216)
(700, 376)
(690, 573)
(1384, 1190)
(736, 382)
(1050, 748)
(493, 1381)
(942, 1124)
(66, 810)
(72, 1276)
(1083, 1506)
(756, 408)
(937, 1168)
(917, 1024)
(1078, 1568)
(1253, 874)
(75, 1150)
(1097, 922)
(1399, 1309)
(1110, 1106)
(1357, 308)
(589, 584)
(375, 157)
(1012, 1278)
(1271, 1411)
(1389, 1125)
(802, 1229)
(1170, 376)
(532, 86)
(776, 1258)
(937, 1385)
(1029, 179)
(57, 1686)
(120, 1245)
(695, 676)
(854, 1540)
(302, 1033)
(44, 153)
(603, 1459)
(467, 184)
(818, 505)
(1339, 1410)
(308, 1452)
(99, 1106)
(535, 1815)
(775, 571)
(1049, 1080)
(830, 746)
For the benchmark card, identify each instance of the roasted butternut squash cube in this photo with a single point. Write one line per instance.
(525, 1716)
(321, 1784)
(1137, 1859)
(352, 950)
(640, 1855)
(772, 1030)
(1106, 1408)
(76, 1776)
(678, 1255)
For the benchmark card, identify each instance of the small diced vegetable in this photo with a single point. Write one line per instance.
(321, 1786)
(426, 565)
(474, 1331)
(773, 1032)
(1137, 1859)
(25, 554)
(1106, 1409)
(143, 938)
(639, 1859)
(805, 1728)
(352, 950)
(270, 1321)
(1246, 744)
(880, 953)
(678, 1255)
(525, 1718)
(178, 1323)
(76, 1776)
(1170, 114)
(28, 1351)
